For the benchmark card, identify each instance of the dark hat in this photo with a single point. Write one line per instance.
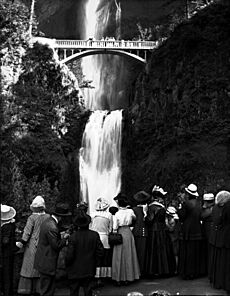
(121, 196)
(113, 210)
(82, 220)
(141, 196)
(62, 209)
(82, 205)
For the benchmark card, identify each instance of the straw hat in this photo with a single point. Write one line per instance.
(222, 197)
(192, 189)
(156, 189)
(38, 202)
(7, 212)
(172, 212)
(101, 204)
(208, 197)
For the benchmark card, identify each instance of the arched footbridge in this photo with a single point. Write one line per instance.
(69, 50)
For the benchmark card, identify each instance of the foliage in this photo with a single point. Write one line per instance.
(42, 118)
(179, 120)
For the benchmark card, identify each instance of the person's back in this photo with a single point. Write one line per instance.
(83, 253)
(84, 249)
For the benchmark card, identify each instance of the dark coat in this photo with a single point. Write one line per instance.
(7, 258)
(8, 240)
(190, 215)
(207, 221)
(139, 228)
(226, 225)
(83, 254)
(215, 237)
(49, 245)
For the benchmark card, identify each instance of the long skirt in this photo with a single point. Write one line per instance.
(140, 243)
(104, 270)
(125, 265)
(28, 286)
(192, 260)
(160, 259)
(225, 265)
(219, 272)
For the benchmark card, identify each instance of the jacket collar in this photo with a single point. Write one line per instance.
(55, 218)
(156, 203)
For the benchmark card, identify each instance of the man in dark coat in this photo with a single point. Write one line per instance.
(192, 249)
(49, 245)
(83, 255)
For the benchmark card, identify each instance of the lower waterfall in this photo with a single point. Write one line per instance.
(100, 157)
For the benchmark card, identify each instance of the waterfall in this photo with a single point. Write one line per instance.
(100, 157)
(100, 154)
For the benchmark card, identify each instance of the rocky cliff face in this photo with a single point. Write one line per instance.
(63, 19)
(177, 129)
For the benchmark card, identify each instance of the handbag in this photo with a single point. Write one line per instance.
(115, 239)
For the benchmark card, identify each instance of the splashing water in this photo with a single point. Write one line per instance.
(100, 154)
(100, 157)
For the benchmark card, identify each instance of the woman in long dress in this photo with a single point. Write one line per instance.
(219, 242)
(125, 267)
(102, 222)
(140, 232)
(28, 283)
(225, 258)
(160, 260)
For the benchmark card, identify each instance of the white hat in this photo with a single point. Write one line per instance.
(208, 196)
(7, 212)
(38, 202)
(101, 204)
(158, 189)
(192, 189)
(172, 212)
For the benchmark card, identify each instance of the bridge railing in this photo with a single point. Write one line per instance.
(94, 44)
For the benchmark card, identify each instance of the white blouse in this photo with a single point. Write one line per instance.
(102, 222)
(123, 217)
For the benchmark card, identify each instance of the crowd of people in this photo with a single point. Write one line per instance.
(151, 239)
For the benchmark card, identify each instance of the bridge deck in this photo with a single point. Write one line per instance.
(99, 44)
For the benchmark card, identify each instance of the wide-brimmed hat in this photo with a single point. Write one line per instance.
(38, 202)
(101, 204)
(121, 196)
(157, 190)
(7, 212)
(208, 197)
(222, 197)
(192, 189)
(141, 196)
(172, 212)
(82, 205)
(82, 220)
(62, 209)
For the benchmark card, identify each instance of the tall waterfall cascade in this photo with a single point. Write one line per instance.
(100, 154)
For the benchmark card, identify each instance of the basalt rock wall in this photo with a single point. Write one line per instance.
(64, 19)
(177, 129)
